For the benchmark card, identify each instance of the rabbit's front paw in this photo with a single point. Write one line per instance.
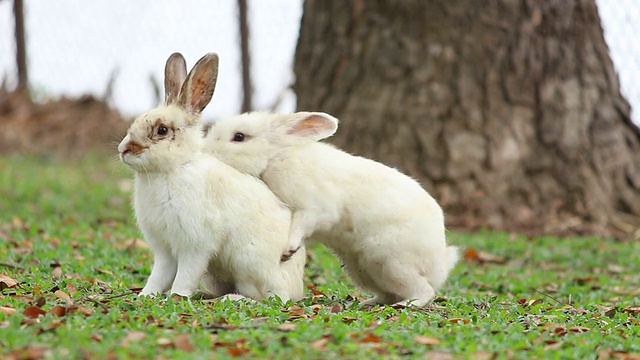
(288, 253)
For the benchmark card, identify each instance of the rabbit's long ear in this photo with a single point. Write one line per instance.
(311, 125)
(175, 72)
(197, 90)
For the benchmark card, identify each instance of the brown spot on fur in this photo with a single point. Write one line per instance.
(153, 135)
(134, 148)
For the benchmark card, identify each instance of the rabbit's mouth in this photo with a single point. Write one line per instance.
(128, 156)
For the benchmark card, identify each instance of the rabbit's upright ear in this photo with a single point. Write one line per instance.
(197, 90)
(311, 125)
(175, 72)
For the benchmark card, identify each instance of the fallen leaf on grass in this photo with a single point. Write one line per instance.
(58, 310)
(437, 355)
(133, 336)
(57, 272)
(585, 279)
(321, 343)
(348, 319)
(7, 310)
(287, 327)
(183, 342)
(369, 337)
(7, 282)
(40, 301)
(62, 295)
(33, 312)
(483, 257)
(336, 308)
(552, 344)
(31, 352)
(132, 243)
(632, 309)
(103, 271)
(295, 312)
(457, 320)
(578, 329)
(72, 289)
(620, 355)
(314, 290)
(426, 340)
(164, 342)
(236, 348)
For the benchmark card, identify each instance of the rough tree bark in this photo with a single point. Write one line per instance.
(509, 112)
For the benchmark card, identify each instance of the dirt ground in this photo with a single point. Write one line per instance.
(67, 127)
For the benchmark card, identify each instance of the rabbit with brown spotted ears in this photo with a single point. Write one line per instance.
(204, 220)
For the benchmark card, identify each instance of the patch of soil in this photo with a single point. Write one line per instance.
(64, 127)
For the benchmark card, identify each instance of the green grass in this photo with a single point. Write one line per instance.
(66, 228)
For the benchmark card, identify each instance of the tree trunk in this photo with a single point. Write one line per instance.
(509, 112)
(21, 47)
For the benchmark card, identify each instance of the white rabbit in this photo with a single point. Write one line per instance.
(387, 230)
(203, 219)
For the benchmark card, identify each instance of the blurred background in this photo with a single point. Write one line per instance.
(515, 115)
(75, 48)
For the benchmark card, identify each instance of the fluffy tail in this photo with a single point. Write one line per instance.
(444, 267)
(452, 257)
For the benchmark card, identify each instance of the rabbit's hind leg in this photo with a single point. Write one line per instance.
(406, 282)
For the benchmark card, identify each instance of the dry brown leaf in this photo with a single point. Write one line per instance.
(336, 308)
(321, 343)
(236, 349)
(85, 311)
(632, 309)
(40, 301)
(534, 302)
(370, 338)
(62, 295)
(104, 271)
(426, 340)
(552, 344)
(620, 355)
(58, 310)
(57, 271)
(7, 310)
(31, 352)
(133, 243)
(578, 329)
(33, 312)
(183, 342)
(133, 336)
(7, 282)
(483, 257)
(96, 337)
(164, 342)
(616, 269)
(349, 319)
(287, 327)
(482, 355)
(585, 279)
(437, 355)
(72, 289)
(458, 320)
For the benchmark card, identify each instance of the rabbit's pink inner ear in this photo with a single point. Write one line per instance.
(316, 126)
(175, 72)
(197, 91)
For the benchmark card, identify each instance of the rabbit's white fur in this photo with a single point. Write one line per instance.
(387, 230)
(203, 219)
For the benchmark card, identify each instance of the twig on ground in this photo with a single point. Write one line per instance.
(549, 296)
(11, 266)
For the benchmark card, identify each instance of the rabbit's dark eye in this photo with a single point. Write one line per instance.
(163, 130)
(238, 137)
